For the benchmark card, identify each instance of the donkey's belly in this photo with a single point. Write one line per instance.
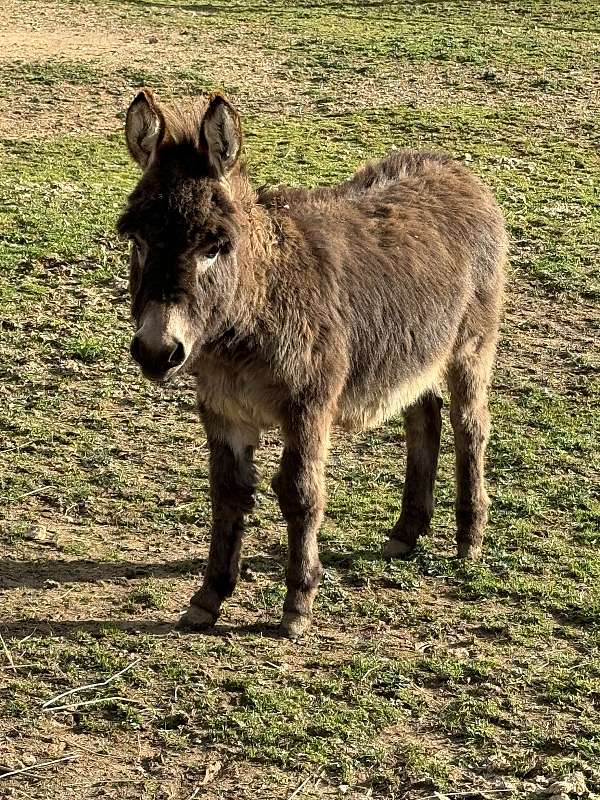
(361, 408)
(250, 398)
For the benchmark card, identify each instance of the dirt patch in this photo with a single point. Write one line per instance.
(180, 51)
(549, 342)
(50, 33)
(69, 110)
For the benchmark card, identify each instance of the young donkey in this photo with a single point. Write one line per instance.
(304, 309)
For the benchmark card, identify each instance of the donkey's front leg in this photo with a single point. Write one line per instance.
(300, 489)
(232, 484)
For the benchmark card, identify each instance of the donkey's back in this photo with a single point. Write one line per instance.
(415, 247)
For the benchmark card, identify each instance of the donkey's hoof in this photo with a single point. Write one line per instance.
(294, 625)
(394, 548)
(469, 552)
(197, 619)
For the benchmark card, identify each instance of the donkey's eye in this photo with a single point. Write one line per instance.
(139, 248)
(207, 259)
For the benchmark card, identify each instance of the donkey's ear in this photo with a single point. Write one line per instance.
(221, 134)
(144, 127)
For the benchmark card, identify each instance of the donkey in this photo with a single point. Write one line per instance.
(303, 309)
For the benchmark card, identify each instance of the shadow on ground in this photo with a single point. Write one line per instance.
(35, 574)
(68, 629)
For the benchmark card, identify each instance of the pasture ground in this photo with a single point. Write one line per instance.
(478, 680)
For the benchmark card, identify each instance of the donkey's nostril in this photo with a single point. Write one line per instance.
(156, 362)
(177, 356)
(134, 349)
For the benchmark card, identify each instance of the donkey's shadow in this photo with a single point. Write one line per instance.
(35, 574)
(73, 628)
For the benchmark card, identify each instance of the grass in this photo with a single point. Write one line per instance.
(420, 677)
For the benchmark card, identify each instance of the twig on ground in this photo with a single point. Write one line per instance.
(91, 685)
(314, 776)
(441, 795)
(38, 766)
(297, 791)
(68, 592)
(183, 505)
(8, 654)
(114, 782)
(39, 490)
(368, 672)
(95, 701)
(271, 665)
(18, 446)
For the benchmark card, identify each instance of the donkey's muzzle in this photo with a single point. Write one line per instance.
(157, 363)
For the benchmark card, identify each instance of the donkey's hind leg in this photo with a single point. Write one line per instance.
(468, 381)
(423, 424)
(232, 484)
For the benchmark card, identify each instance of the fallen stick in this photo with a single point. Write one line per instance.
(39, 490)
(315, 776)
(95, 701)
(37, 766)
(8, 654)
(91, 685)
(439, 795)
(297, 791)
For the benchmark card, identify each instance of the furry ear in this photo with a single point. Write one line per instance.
(221, 134)
(145, 127)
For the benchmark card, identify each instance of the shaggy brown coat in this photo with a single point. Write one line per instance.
(304, 309)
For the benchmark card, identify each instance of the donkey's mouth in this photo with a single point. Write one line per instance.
(160, 378)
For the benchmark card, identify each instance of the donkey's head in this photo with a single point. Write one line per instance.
(184, 224)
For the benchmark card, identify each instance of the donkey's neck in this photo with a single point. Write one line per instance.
(257, 255)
